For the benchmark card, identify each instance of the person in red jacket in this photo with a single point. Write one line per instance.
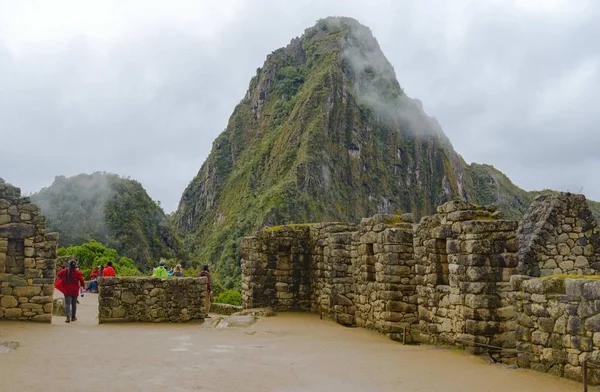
(93, 284)
(94, 273)
(68, 282)
(108, 270)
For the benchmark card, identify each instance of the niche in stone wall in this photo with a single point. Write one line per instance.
(15, 256)
(442, 271)
(370, 263)
(283, 257)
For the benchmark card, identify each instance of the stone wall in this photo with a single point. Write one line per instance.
(147, 299)
(62, 262)
(356, 274)
(558, 325)
(559, 235)
(382, 251)
(27, 259)
(464, 259)
(446, 279)
(331, 274)
(275, 270)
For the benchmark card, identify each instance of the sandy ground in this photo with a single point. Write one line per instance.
(289, 352)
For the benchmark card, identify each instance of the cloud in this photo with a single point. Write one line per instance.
(142, 88)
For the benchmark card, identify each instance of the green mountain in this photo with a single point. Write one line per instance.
(113, 210)
(326, 133)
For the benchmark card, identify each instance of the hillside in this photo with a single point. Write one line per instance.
(113, 210)
(326, 133)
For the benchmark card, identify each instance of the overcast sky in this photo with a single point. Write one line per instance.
(142, 88)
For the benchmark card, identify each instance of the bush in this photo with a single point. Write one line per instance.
(231, 297)
(93, 254)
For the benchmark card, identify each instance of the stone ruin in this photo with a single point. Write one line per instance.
(148, 299)
(27, 259)
(462, 276)
(559, 235)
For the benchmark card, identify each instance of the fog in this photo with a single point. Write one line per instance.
(142, 88)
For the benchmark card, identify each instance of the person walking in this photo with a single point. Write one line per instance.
(209, 296)
(68, 282)
(160, 271)
(109, 270)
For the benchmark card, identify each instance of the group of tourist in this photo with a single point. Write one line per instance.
(162, 272)
(70, 282)
(97, 272)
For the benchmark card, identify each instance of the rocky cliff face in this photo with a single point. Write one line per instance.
(113, 210)
(326, 133)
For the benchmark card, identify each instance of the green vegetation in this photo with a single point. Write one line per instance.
(93, 254)
(230, 296)
(291, 225)
(325, 133)
(113, 210)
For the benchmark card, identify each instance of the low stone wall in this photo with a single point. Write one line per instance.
(147, 299)
(27, 259)
(558, 325)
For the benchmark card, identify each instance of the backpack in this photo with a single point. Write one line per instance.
(160, 272)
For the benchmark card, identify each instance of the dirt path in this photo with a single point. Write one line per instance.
(289, 352)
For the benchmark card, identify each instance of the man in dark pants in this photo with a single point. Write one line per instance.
(209, 295)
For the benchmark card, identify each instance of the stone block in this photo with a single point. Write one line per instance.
(42, 318)
(128, 297)
(41, 300)
(27, 291)
(581, 343)
(592, 324)
(540, 337)
(13, 313)
(574, 287)
(29, 306)
(506, 313)
(481, 301)
(573, 325)
(591, 290)
(581, 262)
(546, 324)
(8, 301)
(560, 326)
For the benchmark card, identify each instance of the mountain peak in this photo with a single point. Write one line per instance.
(324, 133)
